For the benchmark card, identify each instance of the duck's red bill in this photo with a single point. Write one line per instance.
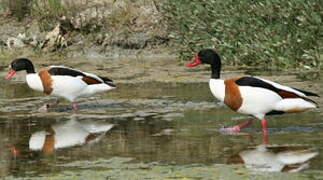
(11, 72)
(196, 61)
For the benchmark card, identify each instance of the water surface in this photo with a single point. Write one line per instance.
(152, 130)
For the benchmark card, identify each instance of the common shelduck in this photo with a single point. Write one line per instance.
(252, 95)
(60, 81)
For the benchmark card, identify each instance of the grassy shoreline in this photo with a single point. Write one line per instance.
(273, 34)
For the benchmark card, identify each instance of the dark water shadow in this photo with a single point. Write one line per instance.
(289, 129)
(90, 106)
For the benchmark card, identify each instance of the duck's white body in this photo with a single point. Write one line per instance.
(68, 87)
(251, 95)
(60, 81)
(217, 88)
(34, 82)
(259, 101)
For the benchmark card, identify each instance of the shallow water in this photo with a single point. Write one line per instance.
(159, 130)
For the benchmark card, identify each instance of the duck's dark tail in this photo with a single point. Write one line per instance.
(108, 81)
(307, 93)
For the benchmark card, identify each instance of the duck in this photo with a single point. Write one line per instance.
(252, 95)
(60, 81)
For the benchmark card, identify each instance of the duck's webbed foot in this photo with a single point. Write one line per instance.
(74, 107)
(230, 130)
(235, 129)
(47, 106)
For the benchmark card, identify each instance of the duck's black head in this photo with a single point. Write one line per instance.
(20, 64)
(208, 56)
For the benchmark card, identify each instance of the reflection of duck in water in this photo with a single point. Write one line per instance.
(67, 134)
(275, 158)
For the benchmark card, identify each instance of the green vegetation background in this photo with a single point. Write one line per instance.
(273, 33)
(264, 33)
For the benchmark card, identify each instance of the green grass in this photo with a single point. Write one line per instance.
(47, 13)
(273, 34)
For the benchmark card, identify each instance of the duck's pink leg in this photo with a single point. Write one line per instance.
(264, 131)
(264, 126)
(74, 107)
(236, 128)
(47, 106)
(14, 151)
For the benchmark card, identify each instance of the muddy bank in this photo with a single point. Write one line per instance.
(82, 28)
